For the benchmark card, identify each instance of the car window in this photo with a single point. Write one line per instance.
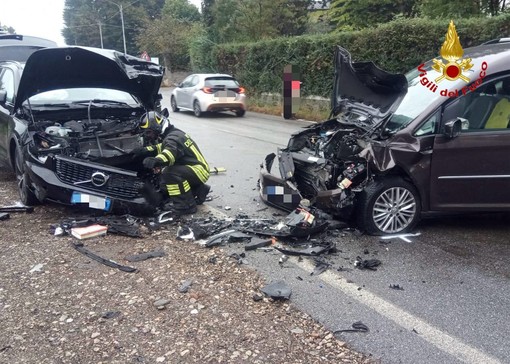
(187, 81)
(485, 108)
(416, 100)
(81, 94)
(194, 81)
(430, 126)
(221, 81)
(7, 83)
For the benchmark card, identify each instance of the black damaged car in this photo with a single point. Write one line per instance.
(401, 146)
(69, 118)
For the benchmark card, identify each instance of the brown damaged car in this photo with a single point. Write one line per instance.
(399, 146)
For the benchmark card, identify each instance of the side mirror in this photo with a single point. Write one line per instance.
(453, 128)
(179, 84)
(3, 96)
(165, 112)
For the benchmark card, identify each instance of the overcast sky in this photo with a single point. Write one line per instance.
(39, 18)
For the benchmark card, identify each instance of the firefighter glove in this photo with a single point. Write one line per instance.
(152, 162)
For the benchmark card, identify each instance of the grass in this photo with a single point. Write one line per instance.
(309, 109)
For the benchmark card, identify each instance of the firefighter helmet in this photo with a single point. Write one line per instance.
(155, 122)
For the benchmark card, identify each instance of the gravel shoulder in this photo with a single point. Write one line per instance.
(76, 310)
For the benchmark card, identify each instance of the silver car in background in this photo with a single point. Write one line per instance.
(209, 92)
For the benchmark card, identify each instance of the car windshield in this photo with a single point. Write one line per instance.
(78, 95)
(221, 81)
(416, 100)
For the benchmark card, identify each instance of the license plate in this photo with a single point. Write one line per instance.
(94, 202)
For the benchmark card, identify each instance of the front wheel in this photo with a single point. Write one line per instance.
(27, 197)
(173, 104)
(196, 109)
(240, 113)
(388, 206)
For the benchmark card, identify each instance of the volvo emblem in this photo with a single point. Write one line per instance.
(99, 179)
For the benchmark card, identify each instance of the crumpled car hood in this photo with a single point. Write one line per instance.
(365, 87)
(70, 67)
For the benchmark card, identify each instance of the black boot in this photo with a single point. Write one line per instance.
(200, 193)
(181, 205)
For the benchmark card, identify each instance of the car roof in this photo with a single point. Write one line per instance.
(207, 75)
(17, 47)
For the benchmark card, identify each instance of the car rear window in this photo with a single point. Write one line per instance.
(16, 53)
(221, 81)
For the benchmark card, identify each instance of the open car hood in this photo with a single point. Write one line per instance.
(365, 87)
(71, 67)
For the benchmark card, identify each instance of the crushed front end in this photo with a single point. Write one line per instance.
(321, 165)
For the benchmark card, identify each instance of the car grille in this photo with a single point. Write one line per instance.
(118, 185)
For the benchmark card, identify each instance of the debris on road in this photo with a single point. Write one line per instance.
(108, 262)
(358, 326)
(367, 263)
(397, 287)
(144, 256)
(17, 208)
(277, 290)
(4, 216)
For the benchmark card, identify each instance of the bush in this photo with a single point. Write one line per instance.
(397, 46)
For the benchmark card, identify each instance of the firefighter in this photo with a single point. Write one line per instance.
(184, 170)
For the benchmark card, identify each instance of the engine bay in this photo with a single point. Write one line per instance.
(108, 141)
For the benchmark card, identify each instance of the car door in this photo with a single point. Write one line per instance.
(7, 89)
(472, 171)
(185, 91)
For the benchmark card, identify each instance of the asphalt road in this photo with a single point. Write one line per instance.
(455, 302)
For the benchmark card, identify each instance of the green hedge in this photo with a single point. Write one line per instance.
(397, 46)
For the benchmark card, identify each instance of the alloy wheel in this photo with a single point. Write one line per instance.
(394, 209)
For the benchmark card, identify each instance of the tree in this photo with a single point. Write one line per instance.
(207, 12)
(5, 28)
(182, 10)
(85, 20)
(251, 20)
(462, 8)
(359, 14)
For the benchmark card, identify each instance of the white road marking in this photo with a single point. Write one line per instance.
(433, 335)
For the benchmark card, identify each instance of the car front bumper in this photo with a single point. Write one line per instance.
(69, 181)
(277, 192)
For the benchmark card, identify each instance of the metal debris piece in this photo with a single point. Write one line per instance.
(144, 256)
(397, 287)
(164, 217)
(358, 326)
(110, 263)
(4, 216)
(185, 233)
(367, 263)
(277, 290)
(320, 267)
(257, 243)
(310, 251)
(228, 208)
(17, 208)
(283, 259)
(218, 238)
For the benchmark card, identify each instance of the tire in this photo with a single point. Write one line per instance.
(240, 113)
(388, 206)
(27, 197)
(173, 104)
(196, 109)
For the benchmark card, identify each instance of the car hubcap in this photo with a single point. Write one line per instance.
(394, 210)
